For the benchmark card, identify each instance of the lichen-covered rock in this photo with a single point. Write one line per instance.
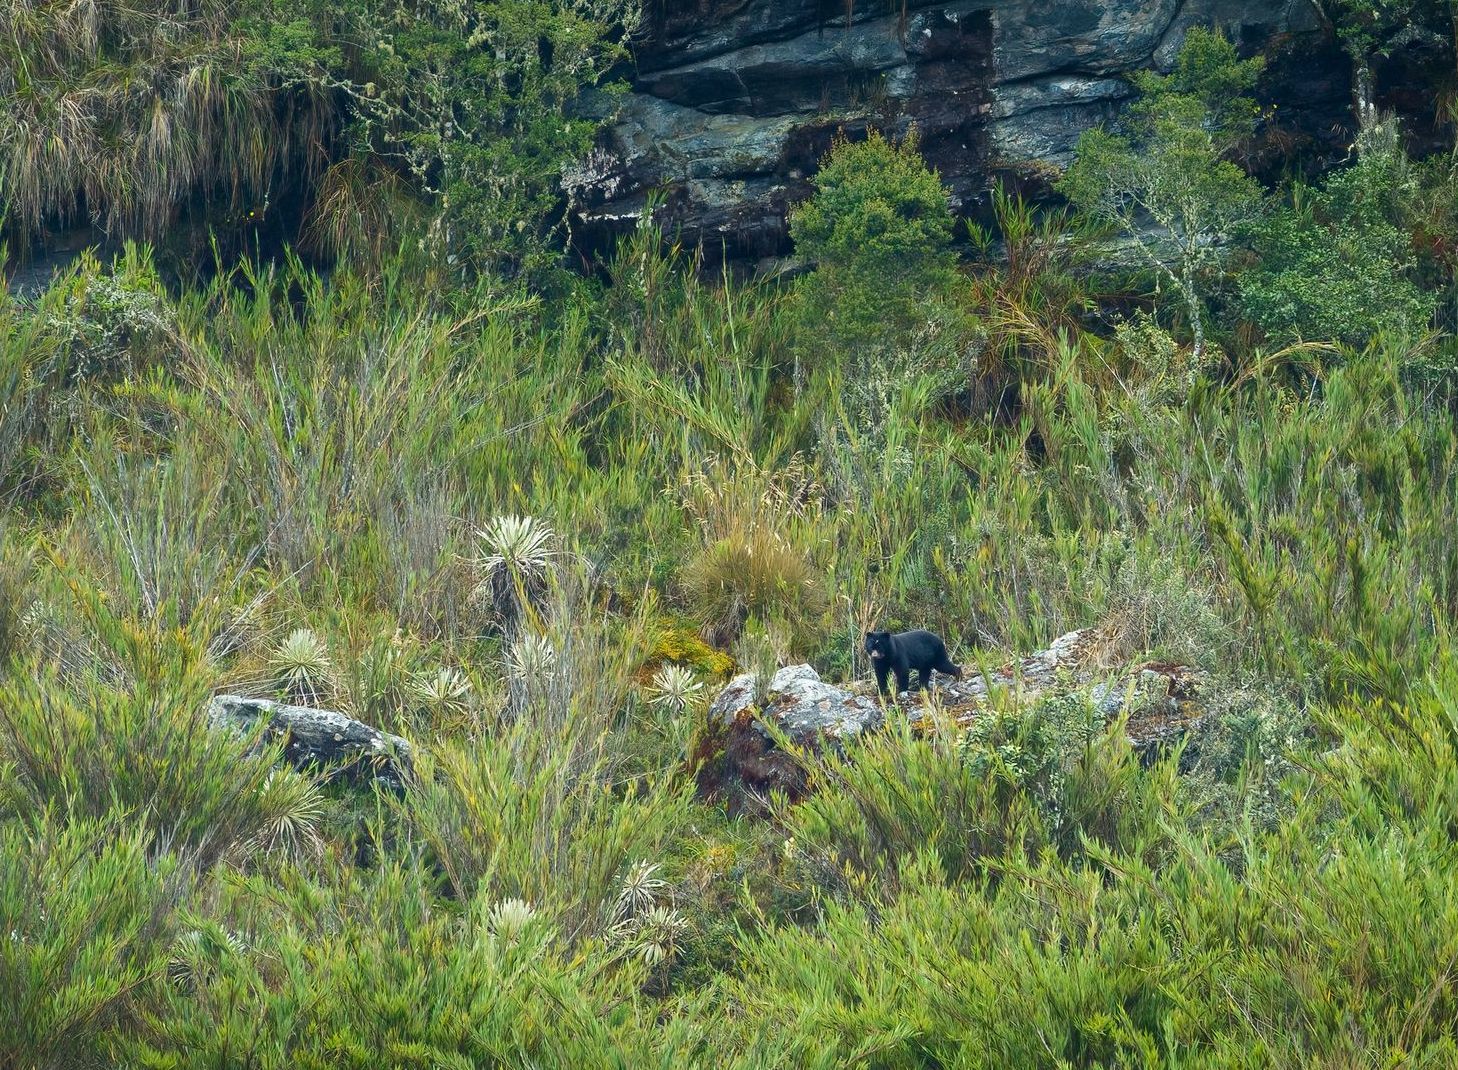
(1159, 697)
(741, 759)
(318, 739)
(735, 101)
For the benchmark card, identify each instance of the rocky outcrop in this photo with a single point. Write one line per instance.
(747, 750)
(735, 101)
(317, 739)
(741, 759)
(1160, 697)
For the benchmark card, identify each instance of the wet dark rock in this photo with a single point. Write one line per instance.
(735, 101)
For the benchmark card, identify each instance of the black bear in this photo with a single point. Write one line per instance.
(904, 651)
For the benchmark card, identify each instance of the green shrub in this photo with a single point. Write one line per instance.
(1338, 263)
(878, 230)
(122, 724)
(899, 793)
(113, 323)
(86, 911)
(374, 967)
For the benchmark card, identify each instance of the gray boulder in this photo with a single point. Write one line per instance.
(740, 758)
(799, 704)
(318, 739)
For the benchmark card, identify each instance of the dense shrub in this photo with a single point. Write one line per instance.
(377, 968)
(119, 721)
(878, 231)
(87, 906)
(1338, 263)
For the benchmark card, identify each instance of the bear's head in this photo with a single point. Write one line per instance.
(878, 645)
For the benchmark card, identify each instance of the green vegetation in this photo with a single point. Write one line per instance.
(879, 232)
(1172, 169)
(1338, 263)
(444, 122)
(534, 536)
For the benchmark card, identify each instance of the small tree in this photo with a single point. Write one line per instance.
(1165, 179)
(879, 229)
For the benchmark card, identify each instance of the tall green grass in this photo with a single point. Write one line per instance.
(278, 486)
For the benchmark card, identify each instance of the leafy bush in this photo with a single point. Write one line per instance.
(878, 230)
(1338, 263)
(899, 794)
(112, 324)
(86, 909)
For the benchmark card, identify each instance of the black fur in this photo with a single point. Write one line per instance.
(904, 651)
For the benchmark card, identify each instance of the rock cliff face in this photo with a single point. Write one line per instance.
(735, 101)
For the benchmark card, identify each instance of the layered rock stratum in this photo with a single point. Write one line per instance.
(734, 102)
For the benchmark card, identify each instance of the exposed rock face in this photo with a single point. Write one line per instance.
(315, 739)
(740, 761)
(1160, 697)
(735, 101)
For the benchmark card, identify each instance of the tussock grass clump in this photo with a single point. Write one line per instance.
(127, 110)
(754, 574)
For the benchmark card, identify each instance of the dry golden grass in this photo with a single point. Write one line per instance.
(122, 112)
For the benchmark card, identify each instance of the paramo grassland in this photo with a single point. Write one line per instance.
(530, 520)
